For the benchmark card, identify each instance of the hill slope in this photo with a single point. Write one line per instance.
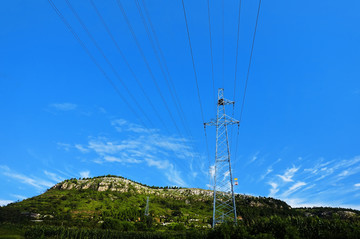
(112, 202)
(90, 201)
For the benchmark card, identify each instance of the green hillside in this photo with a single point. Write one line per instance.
(114, 207)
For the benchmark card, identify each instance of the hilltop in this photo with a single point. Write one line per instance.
(116, 203)
(95, 199)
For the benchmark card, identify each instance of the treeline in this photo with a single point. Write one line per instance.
(276, 227)
(273, 227)
(52, 232)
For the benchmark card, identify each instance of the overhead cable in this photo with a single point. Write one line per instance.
(146, 62)
(108, 61)
(211, 52)
(247, 74)
(128, 64)
(93, 59)
(193, 62)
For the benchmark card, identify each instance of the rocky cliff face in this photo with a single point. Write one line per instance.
(124, 185)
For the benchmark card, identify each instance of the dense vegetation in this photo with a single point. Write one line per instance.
(76, 212)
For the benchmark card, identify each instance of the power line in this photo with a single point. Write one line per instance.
(162, 63)
(177, 105)
(113, 85)
(237, 50)
(107, 61)
(193, 62)
(148, 66)
(196, 79)
(249, 66)
(223, 42)
(72, 31)
(164, 60)
(146, 62)
(213, 83)
(127, 63)
(236, 64)
(211, 51)
(247, 74)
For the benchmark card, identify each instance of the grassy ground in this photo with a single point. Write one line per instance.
(10, 231)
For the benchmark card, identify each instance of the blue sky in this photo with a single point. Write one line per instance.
(61, 118)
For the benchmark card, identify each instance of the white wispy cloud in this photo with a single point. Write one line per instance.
(5, 202)
(81, 148)
(64, 106)
(4, 168)
(289, 174)
(38, 183)
(20, 197)
(160, 164)
(141, 145)
(319, 167)
(293, 188)
(321, 183)
(335, 170)
(33, 181)
(103, 146)
(123, 159)
(268, 171)
(309, 187)
(64, 146)
(85, 174)
(274, 189)
(254, 157)
(171, 173)
(344, 173)
(53, 176)
(119, 124)
(300, 202)
(123, 125)
(174, 176)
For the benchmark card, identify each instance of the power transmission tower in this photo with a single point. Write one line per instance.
(224, 198)
(147, 207)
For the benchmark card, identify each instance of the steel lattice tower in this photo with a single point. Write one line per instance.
(224, 198)
(147, 207)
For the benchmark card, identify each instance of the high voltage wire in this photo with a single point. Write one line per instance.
(160, 64)
(211, 51)
(248, 73)
(223, 41)
(107, 61)
(98, 65)
(236, 64)
(164, 60)
(127, 64)
(213, 83)
(196, 79)
(93, 59)
(193, 62)
(163, 66)
(237, 49)
(146, 62)
(249, 66)
(166, 73)
(148, 66)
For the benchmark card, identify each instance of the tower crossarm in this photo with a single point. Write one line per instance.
(228, 120)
